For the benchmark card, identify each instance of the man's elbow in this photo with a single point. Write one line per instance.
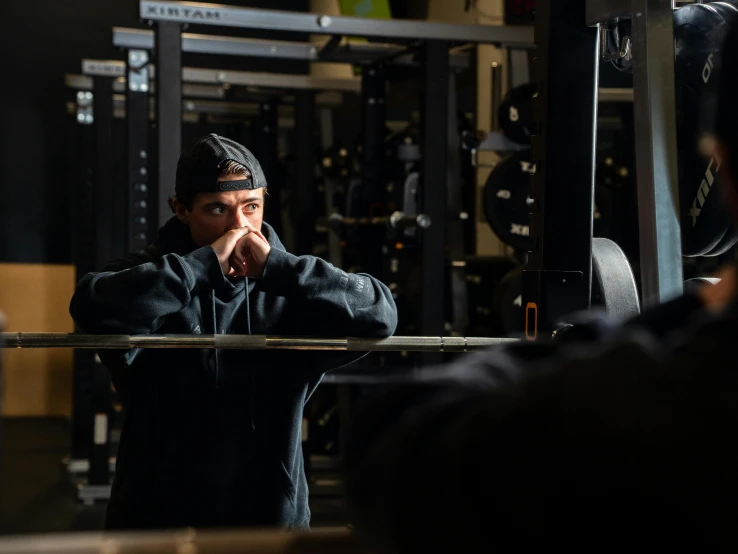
(385, 324)
(81, 315)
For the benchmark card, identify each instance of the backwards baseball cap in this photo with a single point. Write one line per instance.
(199, 167)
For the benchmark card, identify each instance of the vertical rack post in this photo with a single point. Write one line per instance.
(557, 280)
(104, 195)
(268, 158)
(168, 55)
(305, 181)
(433, 184)
(84, 261)
(374, 106)
(141, 226)
(656, 151)
(456, 250)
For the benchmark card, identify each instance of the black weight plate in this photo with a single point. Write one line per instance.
(515, 113)
(691, 284)
(613, 283)
(699, 30)
(726, 243)
(506, 196)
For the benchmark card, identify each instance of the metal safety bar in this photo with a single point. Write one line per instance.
(279, 20)
(350, 52)
(85, 83)
(247, 342)
(115, 68)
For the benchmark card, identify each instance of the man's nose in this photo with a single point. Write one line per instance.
(239, 220)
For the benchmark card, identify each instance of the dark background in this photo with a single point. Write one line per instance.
(42, 41)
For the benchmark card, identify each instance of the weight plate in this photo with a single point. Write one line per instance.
(613, 287)
(515, 113)
(506, 200)
(726, 243)
(690, 285)
(698, 281)
(613, 283)
(699, 30)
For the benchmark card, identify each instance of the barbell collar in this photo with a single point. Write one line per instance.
(248, 342)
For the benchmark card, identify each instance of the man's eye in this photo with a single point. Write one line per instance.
(253, 207)
(218, 210)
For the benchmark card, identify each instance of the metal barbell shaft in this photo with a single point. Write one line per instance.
(397, 220)
(246, 342)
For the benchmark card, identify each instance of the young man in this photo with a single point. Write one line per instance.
(213, 437)
(622, 444)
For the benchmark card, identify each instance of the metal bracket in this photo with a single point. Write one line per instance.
(625, 46)
(85, 108)
(138, 70)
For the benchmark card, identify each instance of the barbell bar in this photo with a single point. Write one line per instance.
(397, 220)
(247, 342)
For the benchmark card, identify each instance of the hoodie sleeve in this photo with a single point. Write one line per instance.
(329, 301)
(133, 295)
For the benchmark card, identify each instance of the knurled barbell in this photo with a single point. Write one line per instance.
(247, 342)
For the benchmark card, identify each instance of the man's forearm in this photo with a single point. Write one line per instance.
(331, 300)
(135, 300)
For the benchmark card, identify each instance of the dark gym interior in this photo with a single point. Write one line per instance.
(445, 179)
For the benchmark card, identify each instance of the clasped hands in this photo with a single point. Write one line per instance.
(242, 252)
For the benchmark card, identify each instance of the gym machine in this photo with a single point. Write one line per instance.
(673, 94)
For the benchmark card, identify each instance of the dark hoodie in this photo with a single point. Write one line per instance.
(621, 435)
(213, 437)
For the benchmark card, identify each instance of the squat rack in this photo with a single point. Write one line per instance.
(557, 280)
(656, 148)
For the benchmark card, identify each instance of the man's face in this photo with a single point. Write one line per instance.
(214, 214)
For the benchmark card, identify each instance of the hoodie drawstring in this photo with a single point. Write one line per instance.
(215, 332)
(252, 381)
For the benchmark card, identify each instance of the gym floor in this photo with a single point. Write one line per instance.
(39, 497)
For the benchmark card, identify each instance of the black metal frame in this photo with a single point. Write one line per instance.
(374, 110)
(304, 192)
(455, 224)
(97, 224)
(141, 227)
(557, 280)
(433, 186)
(83, 255)
(269, 159)
(168, 56)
